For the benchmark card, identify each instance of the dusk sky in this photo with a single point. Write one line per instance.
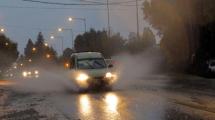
(23, 20)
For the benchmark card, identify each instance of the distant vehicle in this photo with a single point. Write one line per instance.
(90, 71)
(30, 73)
(211, 65)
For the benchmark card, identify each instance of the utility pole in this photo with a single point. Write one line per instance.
(137, 15)
(108, 12)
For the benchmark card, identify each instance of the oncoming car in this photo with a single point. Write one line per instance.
(30, 73)
(90, 71)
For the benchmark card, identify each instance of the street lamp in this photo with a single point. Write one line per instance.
(46, 44)
(66, 65)
(52, 37)
(34, 49)
(70, 30)
(60, 37)
(48, 56)
(60, 29)
(2, 30)
(29, 60)
(108, 13)
(6, 44)
(137, 16)
(70, 19)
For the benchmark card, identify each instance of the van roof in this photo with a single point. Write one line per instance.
(84, 55)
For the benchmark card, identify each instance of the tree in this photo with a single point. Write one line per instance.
(148, 38)
(8, 52)
(98, 41)
(39, 44)
(29, 49)
(181, 22)
(67, 53)
(65, 58)
(39, 53)
(146, 41)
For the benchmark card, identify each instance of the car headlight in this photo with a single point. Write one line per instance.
(36, 72)
(108, 75)
(112, 78)
(24, 74)
(29, 73)
(82, 77)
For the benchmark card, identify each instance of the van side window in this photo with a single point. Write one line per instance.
(72, 62)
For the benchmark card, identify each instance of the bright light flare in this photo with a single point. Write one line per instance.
(29, 73)
(70, 19)
(52, 37)
(109, 75)
(112, 102)
(48, 56)
(36, 72)
(60, 29)
(85, 105)
(24, 74)
(6, 44)
(15, 67)
(66, 65)
(46, 44)
(30, 60)
(82, 77)
(34, 49)
(2, 30)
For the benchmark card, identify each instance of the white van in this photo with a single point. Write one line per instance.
(90, 71)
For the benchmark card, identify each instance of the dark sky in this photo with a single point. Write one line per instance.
(23, 20)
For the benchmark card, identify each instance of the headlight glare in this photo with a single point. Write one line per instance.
(36, 72)
(82, 77)
(109, 75)
(24, 74)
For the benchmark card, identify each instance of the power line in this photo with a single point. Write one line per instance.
(60, 8)
(90, 3)
(59, 3)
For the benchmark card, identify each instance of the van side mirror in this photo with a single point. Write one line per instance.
(110, 66)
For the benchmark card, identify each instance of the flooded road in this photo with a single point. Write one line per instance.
(143, 101)
(114, 105)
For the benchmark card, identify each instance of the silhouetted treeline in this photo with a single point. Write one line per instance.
(187, 27)
(38, 53)
(8, 52)
(99, 41)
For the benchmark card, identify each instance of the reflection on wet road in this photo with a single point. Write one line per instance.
(133, 105)
(6, 83)
(108, 106)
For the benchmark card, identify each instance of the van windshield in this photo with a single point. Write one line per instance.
(91, 63)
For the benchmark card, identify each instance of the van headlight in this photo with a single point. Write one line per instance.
(108, 75)
(82, 77)
(112, 78)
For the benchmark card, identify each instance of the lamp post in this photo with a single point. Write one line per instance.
(59, 37)
(137, 15)
(71, 32)
(34, 49)
(108, 13)
(2, 30)
(70, 19)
